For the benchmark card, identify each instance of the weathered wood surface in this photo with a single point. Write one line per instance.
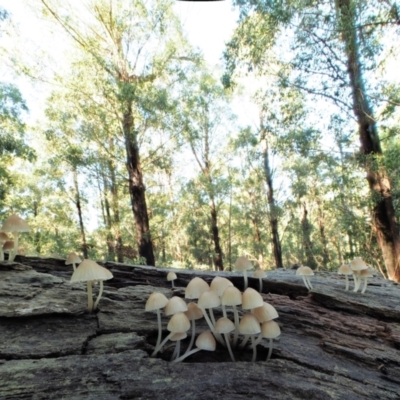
(334, 344)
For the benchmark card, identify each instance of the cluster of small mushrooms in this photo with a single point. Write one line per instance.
(256, 323)
(359, 270)
(357, 267)
(14, 225)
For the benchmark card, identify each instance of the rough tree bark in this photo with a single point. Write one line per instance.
(384, 217)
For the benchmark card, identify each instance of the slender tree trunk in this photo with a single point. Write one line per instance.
(307, 244)
(37, 237)
(108, 221)
(324, 241)
(115, 206)
(385, 223)
(137, 189)
(215, 232)
(79, 208)
(273, 214)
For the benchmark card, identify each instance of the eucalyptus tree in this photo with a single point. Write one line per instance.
(206, 121)
(12, 133)
(334, 51)
(138, 45)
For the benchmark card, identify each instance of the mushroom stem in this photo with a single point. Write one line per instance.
(271, 342)
(347, 282)
(245, 340)
(212, 328)
(73, 264)
(254, 349)
(236, 317)
(187, 354)
(192, 338)
(89, 294)
(225, 315)
(356, 283)
(245, 279)
(14, 252)
(305, 282)
(99, 295)
(177, 350)
(261, 285)
(309, 282)
(229, 346)
(258, 340)
(1, 253)
(159, 328)
(160, 346)
(364, 286)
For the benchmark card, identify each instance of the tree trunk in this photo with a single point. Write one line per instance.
(384, 218)
(137, 189)
(273, 215)
(79, 208)
(307, 244)
(321, 223)
(215, 232)
(115, 208)
(107, 219)
(38, 236)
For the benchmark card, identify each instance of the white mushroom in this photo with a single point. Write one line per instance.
(89, 271)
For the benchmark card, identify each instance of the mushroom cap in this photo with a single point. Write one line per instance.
(243, 264)
(358, 264)
(231, 297)
(156, 301)
(345, 270)
(8, 245)
(366, 273)
(249, 325)
(270, 330)
(3, 237)
(206, 341)
(14, 223)
(209, 299)
(178, 336)
(304, 271)
(171, 276)
(265, 313)
(175, 304)
(219, 284)
(195, 288)
(259, 273)
(193, 312)
(72, 258)
(179, 322)
(224, 325)
(89, 270)
(251, 299)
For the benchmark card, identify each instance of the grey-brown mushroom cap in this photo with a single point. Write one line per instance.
(251, 299)
(89, 270)
(270, 330)
(14, 223)
(249, 325)
(243, 264)
(195, 288)
(175, 304)
(72, 258)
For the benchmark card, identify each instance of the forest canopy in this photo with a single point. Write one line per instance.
(138, 151)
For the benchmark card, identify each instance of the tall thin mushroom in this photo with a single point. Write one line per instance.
(156, 302)
(89, 271)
